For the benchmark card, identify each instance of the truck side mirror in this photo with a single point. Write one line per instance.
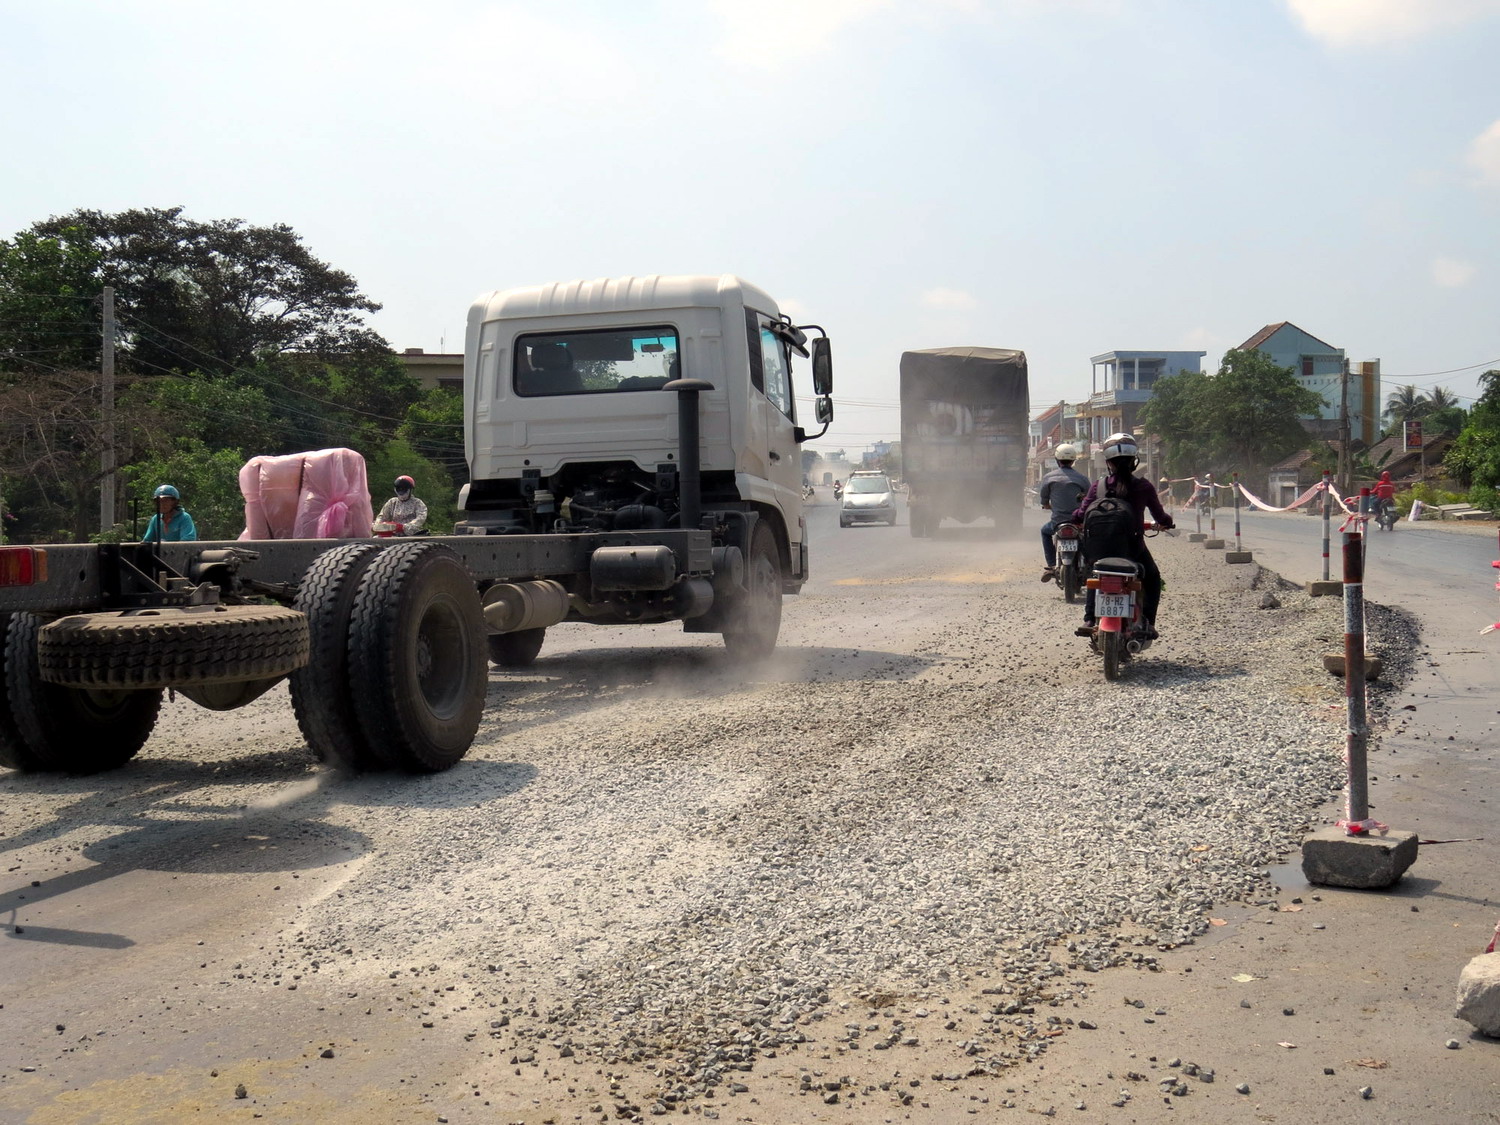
(822, 370)
(824, 410)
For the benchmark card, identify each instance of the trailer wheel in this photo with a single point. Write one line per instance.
(417, 654)
(46, 726)
(321, 692)
(518, 649)
(172, 646)
(757, 619)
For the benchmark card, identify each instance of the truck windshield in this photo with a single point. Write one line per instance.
(869, 484)
(597, 361)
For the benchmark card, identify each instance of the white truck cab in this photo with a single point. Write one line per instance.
(564, 397)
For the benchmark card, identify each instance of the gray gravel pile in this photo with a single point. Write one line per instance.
(655, 857)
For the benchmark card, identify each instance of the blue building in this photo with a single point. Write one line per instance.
(1122, 383)
(1320, 368)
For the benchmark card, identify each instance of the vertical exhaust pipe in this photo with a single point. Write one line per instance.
(689, 475)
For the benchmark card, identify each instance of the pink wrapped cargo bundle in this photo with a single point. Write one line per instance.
(318, 495)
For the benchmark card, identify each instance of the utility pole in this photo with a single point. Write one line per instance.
(107, 412)
(1345, 460)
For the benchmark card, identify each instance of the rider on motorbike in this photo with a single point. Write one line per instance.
(1120, 454)
(1385, 496)
(1060, 490)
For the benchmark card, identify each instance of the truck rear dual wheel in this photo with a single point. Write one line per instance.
(757, 619)
(516, 650)
(47, 726)
(417, 657)
(322, 695)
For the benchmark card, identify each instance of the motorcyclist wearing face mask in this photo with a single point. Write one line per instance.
(404, 509)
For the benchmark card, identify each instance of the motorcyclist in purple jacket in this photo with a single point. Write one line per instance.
(1121, 455)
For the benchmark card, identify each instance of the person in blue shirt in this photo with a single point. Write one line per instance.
(171, 523)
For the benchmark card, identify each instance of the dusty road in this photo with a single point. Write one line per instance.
(891, 874)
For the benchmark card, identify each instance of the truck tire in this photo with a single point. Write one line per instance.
(322, 696)
(172, 646)
(417, 656)
(518, 649)
(45, 726)
(757, 619)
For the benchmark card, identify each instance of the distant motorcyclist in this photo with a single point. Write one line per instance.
(1120, 454)
(405, 510)
(170, 523)
(1061, 490)
(1385, 495)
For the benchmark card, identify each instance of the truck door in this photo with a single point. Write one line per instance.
(772, 376)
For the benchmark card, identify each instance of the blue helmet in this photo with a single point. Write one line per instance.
(166, 490)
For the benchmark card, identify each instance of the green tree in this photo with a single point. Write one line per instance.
(1244, 418)
(1474, 459)
(207, 478)
(49, 314)
(215, 296)
(1405, 404)
(434, 427)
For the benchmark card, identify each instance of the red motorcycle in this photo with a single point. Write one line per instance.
(1119, 631)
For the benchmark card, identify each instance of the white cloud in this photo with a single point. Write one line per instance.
(1484, 155)
(1451, 273)
(949, 300)
(1365, 23)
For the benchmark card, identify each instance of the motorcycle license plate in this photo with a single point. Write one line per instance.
(1067, 546)
(1112, 605)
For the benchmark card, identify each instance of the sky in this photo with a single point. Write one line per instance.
(1066, 177)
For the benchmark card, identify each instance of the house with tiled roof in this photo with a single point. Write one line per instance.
(1319, 367)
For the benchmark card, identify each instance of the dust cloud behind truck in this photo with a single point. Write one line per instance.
(964, 418)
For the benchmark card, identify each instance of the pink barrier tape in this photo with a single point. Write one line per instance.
(1496, 937)
(1362, 827)
(1256, 502)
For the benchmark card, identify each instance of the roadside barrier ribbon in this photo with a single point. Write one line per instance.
(1257, 502)
(1362, 827)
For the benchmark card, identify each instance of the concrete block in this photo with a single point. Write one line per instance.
(1196, 537)
(1213, 545)
(1331, 858)
(1333, 663)
(1321, 589)
(1238, 556)
(1479, 993)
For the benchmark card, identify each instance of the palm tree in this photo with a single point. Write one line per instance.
(1406, 403)
(1440, 398)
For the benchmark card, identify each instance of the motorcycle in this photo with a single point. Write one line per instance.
(1120, 632)
(1385, 515)
(1069, 572)
(807, 492)
(838, 490)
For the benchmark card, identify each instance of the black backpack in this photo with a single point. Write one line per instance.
(1110, 526)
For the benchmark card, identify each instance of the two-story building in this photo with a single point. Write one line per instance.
(1122, 383)
(1320, 368)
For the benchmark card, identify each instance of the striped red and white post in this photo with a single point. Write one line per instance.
(1357, 809)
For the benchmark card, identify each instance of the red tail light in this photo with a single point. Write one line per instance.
(22, 566)
(1067, 531)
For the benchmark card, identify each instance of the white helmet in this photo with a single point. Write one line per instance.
(1121, 445)
(1066, 452)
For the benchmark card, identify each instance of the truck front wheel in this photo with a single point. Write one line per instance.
(46, 726)
(417, 656)
(757, 619)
